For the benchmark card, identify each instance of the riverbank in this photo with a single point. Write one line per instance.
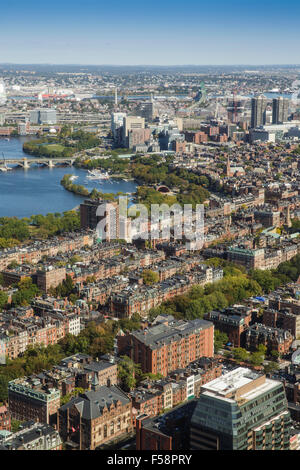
(38, 189)
(81, 190)
(64, 145)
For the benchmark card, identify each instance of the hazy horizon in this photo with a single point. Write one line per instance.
(117, 33)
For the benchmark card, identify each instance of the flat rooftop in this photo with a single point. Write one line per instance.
(173, 331)
(233, 380)
(240, 383)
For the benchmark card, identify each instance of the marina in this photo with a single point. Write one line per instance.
(37, 190)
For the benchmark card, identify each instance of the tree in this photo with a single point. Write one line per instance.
(75, 259)
(128, 372)
(240, 354)
(220, 339)
(26, 292)
(275, 355)
(66, 398)
(262, 349)
(256, 358)
(15, 425)
(3, 299)
(271, 367)
(14, 264)
(150, 277)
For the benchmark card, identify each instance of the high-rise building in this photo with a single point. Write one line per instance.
(241, 410)
(138, 137)
(280, 110)
(101, 215)
(147, 110)
(131, 123)
(258, 111)
(116, 122)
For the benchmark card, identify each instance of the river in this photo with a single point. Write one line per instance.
(38, 190)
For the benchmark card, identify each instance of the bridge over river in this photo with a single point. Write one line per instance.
(26, 163)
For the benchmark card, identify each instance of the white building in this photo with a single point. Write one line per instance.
(74, 325)
(117, 120)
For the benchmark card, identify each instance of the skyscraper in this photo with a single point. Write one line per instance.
(280, 109)
(241, 410)
(258, 111)
(131, 123)
(101, 216)
(116, 122)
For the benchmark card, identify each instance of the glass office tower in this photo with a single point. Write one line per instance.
(241, 410)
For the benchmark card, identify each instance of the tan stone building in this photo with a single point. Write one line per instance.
(94, 418)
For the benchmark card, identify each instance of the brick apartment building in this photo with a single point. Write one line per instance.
(34, 253)
(233, 321)
(167, 432)
(171, 345)
(153, 397)
(79, 371)
(51, 276)
(32, 436)
(29, 400)
(275, 339)
(5, 421)
(283, 319)
(141, 300)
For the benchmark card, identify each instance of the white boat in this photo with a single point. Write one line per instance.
(73, 177)
(5, 168)
(97, 175)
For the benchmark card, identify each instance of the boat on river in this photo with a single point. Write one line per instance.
(97, 175)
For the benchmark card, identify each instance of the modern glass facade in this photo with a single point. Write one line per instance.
(261, 422)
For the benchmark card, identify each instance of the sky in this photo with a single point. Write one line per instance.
(118, 32)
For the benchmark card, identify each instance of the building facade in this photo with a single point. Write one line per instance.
(242, 410)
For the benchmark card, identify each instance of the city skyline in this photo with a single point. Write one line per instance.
(134, 34)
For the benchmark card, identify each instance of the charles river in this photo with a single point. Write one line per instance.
(37, 190)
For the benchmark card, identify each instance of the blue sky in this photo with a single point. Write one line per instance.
(157, 33)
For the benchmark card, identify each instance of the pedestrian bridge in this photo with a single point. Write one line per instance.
(28, 162)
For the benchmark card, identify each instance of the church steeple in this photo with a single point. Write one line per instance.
(95, 383)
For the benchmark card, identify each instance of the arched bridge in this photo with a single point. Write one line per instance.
(28, 162)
